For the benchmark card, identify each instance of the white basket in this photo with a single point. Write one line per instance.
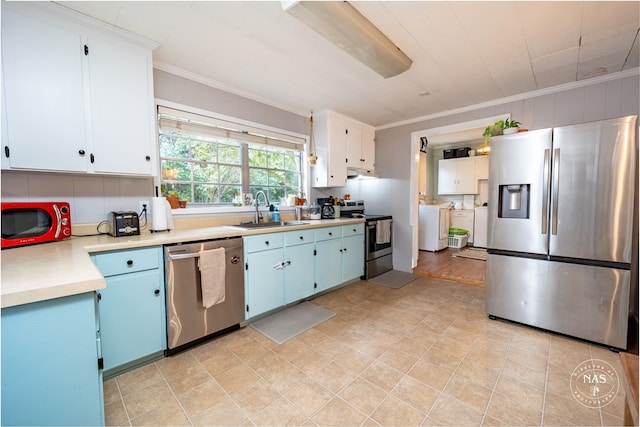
(458, 241)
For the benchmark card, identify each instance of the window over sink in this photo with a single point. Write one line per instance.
(210, 162)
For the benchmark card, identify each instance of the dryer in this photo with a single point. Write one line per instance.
(433, 227)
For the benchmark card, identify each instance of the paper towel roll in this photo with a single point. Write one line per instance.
(159, 206)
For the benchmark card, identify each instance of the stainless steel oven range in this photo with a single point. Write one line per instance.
(378, 242)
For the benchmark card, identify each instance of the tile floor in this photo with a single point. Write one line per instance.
(425, 354)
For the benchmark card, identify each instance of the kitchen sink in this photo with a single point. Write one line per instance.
(251, 225)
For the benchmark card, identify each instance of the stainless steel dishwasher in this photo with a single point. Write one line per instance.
(188, 322)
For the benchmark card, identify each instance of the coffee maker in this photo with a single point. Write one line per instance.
(326, 208)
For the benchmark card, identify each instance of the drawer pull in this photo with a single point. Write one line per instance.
(156, 292)
(330, 233)
(266, 242)
(129, 262)
(301, 237)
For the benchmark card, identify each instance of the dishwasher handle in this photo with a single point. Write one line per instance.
(195, 254)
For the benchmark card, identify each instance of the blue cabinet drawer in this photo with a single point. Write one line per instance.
(127, 261)
(352, 230)
(298, 237)
(328, 233)
(263, 242)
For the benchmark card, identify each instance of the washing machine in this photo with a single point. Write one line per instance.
(433, 227)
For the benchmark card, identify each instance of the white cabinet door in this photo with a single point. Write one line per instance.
(368, 149)
(43, 89)
(121, 107)
(457, 176)
(360, 147)
(447, 177)
(330, 140)
(482, 167)
(354, 147)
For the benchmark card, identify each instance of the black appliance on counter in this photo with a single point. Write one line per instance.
(378, 238)
(327, 210)
(124, 223)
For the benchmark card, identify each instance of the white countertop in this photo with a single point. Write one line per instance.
(58, 269)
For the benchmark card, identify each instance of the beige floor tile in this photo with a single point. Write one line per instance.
(468, 392)
(334, 377)
(395, 412)
(138, 379)
(220, 362)
(526, 373)
(237, 378)
(534, 358)
(223, 413)
(291, 349)
(382, 375)
(280, 413)
(115, 413)
(265, 362)
(178, 362)
(309, 396)
(450, 411)
(110, 391)
(569, 409)
(398, 359)
(478, 374)
(452, 345)
(490, 421)
(337, 412)
(168, 414)
(202, 397)
(528, 396)
(143, 401)
(513, 410)
(310, 362)
(256, 397)
(285, 378)
(612, 420)
(430, 374)
(187, 379)
(442, 359)
(363, 395)
(329, 347)
(416, 394)
(354, 360)
(250, 349)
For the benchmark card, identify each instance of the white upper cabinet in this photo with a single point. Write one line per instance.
(341, 143)
(121, 107)
(461, 175)
(76, 98)
(44, 95)
(331, 148)
(360, 146)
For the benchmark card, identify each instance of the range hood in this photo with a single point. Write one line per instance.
(361, 174)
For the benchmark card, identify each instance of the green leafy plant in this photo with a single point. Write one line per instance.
(498, 127)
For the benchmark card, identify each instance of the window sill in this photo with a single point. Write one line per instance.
(224, 210)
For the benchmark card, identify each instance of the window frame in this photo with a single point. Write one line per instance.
(241, 125)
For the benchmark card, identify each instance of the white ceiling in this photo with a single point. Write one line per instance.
(463, 53)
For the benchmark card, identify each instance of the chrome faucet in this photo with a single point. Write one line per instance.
(258, 215)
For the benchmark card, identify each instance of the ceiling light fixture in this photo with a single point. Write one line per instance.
(342, 24)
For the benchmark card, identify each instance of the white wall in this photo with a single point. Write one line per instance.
(597, 99)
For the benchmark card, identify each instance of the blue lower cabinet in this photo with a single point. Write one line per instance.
(264, 277)
(50, 373)
(131, 308)
(298, 272)
(328, 264)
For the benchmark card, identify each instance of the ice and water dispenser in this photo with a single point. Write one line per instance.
(513, 201)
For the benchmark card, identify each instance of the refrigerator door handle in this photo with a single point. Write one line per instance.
(545, 193)
(555, 185)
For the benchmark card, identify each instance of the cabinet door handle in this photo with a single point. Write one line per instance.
(147, 158)
(130, 262)
(156, 292)
(81, 152)
(345, 249)
(92, 157)
(6, 151)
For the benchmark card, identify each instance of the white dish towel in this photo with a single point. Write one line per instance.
(383, 231)
(212, 276)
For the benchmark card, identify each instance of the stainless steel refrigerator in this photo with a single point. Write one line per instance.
(561, 209)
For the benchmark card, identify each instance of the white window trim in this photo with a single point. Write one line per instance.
(196, 211)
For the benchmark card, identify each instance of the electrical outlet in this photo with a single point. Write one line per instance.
(142, 204)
